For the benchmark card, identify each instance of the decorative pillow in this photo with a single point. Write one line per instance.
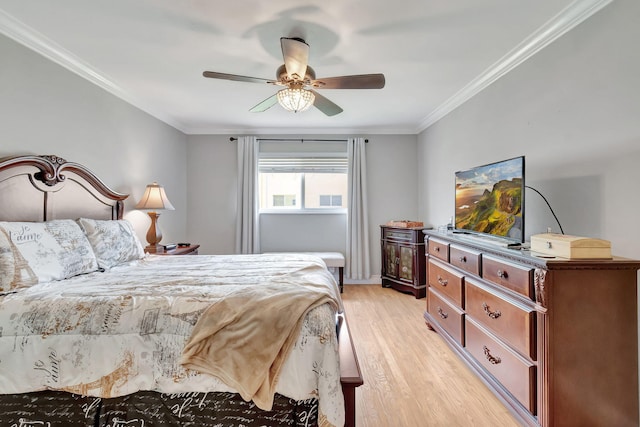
(114, 242)
(35, 252)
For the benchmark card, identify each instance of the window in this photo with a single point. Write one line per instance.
(281, 200)
(331, 200)
(302, 182)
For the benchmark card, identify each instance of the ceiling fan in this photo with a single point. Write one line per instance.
(299, 81)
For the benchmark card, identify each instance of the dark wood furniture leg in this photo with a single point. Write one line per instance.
(350, 375)
(350, 405)
(341, 272)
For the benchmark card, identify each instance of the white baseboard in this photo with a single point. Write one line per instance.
(375, 279)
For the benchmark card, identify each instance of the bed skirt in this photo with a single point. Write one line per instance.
(147, 408)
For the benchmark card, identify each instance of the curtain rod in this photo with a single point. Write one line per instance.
(233, 138)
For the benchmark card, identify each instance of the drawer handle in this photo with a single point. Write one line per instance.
(463, 259)
(492, 359)
(503, 274)
(442, 281)
(491, 314)
(442, 313)
(437, 248)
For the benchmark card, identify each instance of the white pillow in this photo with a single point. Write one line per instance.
(36, 252)
(114, 242)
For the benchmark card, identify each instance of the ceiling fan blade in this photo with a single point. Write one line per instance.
(326, 106)
(235, 77)
(361, 81)
(295, 52)
(265, 105)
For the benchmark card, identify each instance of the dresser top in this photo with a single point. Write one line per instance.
(525, 256)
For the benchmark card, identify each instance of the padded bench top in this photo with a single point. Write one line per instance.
(332, 259)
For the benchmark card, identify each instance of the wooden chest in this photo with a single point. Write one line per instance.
(403, 260)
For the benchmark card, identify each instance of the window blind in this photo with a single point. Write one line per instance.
(303, 164)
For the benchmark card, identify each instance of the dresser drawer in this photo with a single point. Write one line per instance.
(439, 249)
(514, 323)
(446, 281)
(516, 277)
(398, 235)
(447, 315)
(466, 259)
(517, 374)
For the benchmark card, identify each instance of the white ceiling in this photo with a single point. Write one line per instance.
(435, 54)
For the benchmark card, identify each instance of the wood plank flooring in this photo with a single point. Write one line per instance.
(411, 377)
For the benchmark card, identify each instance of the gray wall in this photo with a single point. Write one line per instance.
(211, 179)
(392, 172)
(46, 109)
(573, 110)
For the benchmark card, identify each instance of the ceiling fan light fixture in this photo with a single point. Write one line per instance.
(295, 75)
(296, 99)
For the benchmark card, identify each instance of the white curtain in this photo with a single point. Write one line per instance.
(358, 265)
(247, 233)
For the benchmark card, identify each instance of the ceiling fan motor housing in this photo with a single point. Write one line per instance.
(283, 77)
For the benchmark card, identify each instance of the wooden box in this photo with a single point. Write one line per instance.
(570, 247)
(405, 223)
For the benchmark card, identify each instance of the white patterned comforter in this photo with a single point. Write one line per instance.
(114, 333)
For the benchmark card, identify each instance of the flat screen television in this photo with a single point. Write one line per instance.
(490, 200)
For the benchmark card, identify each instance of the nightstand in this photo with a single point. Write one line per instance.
(180, 250)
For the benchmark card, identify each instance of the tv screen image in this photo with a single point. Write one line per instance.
(490, 200)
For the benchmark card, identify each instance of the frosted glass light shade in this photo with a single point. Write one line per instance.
(295, 99)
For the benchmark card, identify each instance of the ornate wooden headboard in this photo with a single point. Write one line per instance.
(42, 188)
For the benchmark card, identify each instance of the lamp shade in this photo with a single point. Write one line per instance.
(154, 198)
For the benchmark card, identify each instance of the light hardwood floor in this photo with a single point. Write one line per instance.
(411, 377)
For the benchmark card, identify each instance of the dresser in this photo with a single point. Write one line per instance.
(403, 259)
(555, 339)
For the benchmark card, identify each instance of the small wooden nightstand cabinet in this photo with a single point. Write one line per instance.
(179, 250)
(403, 259)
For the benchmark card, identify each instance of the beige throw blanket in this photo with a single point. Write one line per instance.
(245, 338)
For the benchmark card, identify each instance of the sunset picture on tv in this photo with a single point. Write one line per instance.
(489, 199)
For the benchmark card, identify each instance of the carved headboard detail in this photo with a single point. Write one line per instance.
(41, 188)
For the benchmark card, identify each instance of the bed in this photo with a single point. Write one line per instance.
(135, 340)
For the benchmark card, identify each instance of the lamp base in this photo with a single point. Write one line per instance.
(154, 235)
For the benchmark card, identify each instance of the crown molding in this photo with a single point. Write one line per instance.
(568, 18)
(32, 39)
(297, 131)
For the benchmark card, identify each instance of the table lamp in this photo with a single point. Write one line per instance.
(154, 199)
